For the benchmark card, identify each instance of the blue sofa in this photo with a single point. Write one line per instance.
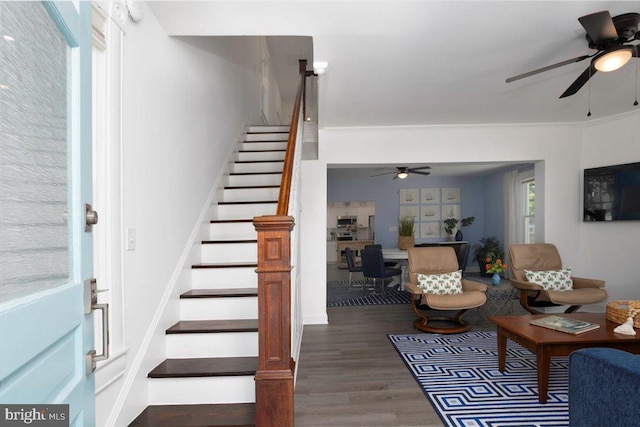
(604, 388)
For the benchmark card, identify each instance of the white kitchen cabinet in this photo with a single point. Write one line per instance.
(332, 217)
(363, 215)
(332, 251)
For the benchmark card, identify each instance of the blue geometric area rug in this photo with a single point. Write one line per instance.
(339, 294)
(459, 375)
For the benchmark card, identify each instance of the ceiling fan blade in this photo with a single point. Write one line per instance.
(636, 50)
(384, 173)
(547, 68)
(580, 81)
(599, 26)
(420, 173)
(419, 168)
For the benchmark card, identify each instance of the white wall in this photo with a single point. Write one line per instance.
(557, 147)
(609, 250)
(186, 101)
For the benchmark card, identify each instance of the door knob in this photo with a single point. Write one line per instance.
(90, 217)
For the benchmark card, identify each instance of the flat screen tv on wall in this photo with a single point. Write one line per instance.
(612, 193)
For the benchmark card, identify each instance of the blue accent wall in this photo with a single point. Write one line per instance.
(481, 197)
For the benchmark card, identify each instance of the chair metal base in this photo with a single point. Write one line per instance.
(528, 304)
(457, 325)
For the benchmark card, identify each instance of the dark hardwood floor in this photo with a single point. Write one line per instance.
(349, 374)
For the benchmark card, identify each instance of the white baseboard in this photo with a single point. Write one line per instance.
(317, 319)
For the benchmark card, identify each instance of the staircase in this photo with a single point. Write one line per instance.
(208, 376)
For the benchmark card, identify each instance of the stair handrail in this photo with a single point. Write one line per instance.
(278, 244)
(293, 145)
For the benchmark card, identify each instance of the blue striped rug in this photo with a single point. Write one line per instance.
(339, 294)
(459, 375)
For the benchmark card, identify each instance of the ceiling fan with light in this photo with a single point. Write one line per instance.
(403, 171)
(610, 37)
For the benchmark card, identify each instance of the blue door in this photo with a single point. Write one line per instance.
(46, 335)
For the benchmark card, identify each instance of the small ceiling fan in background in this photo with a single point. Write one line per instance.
(403, 171)
(610, 37)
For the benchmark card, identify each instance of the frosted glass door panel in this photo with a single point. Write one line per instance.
(34, 143)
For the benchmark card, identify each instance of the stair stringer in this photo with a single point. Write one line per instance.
(153, 347)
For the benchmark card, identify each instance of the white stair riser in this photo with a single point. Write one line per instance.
(232, 230)
(266, 136)
(199, 390)
(247, 180)
(246, 211)
(229, 252)
(229, 344)
(268, 128)
(262, 155)
(258, 167)
(219, 308)
(223, 278)
(263, 145)
(250, 194)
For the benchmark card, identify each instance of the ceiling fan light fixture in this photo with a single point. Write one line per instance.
(402, 175)
(613, 60)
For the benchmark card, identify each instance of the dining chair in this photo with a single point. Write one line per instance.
(351, 265)
(373, 267)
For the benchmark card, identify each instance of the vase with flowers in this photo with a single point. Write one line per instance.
(495, 267)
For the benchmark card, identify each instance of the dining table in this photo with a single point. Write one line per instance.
(402, 256)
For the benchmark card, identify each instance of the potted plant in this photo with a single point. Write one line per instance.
(488, 248)
(405, 232)
(450, 225)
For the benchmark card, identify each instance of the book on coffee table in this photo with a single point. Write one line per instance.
(564, 324)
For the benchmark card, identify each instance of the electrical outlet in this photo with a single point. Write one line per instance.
(393, 228)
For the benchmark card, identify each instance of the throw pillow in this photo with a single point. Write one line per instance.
(551, 280)
(441, 284)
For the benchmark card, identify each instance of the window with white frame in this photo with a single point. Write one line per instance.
(529, 209)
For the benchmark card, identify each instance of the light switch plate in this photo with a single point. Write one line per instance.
(131, 239)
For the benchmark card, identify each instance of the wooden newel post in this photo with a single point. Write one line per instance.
(274, 377)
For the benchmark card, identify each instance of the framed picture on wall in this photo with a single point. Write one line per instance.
(430, 196)
(451, 211)
(451, 195)
(409, 196)
(412, 211)
(430, 230)
(430, 213)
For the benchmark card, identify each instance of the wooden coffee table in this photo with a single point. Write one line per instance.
(547, 343)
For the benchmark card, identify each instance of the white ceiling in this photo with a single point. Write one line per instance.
(406, 62)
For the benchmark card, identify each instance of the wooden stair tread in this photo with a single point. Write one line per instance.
(208, 415)
(271, 150)
(225, 265)
(259, 161)
(213, 326)
(211, 242)
(255, 173)
(205, 367)
(220, 293)
(230, 221)
(249, 202)
(250, 187)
